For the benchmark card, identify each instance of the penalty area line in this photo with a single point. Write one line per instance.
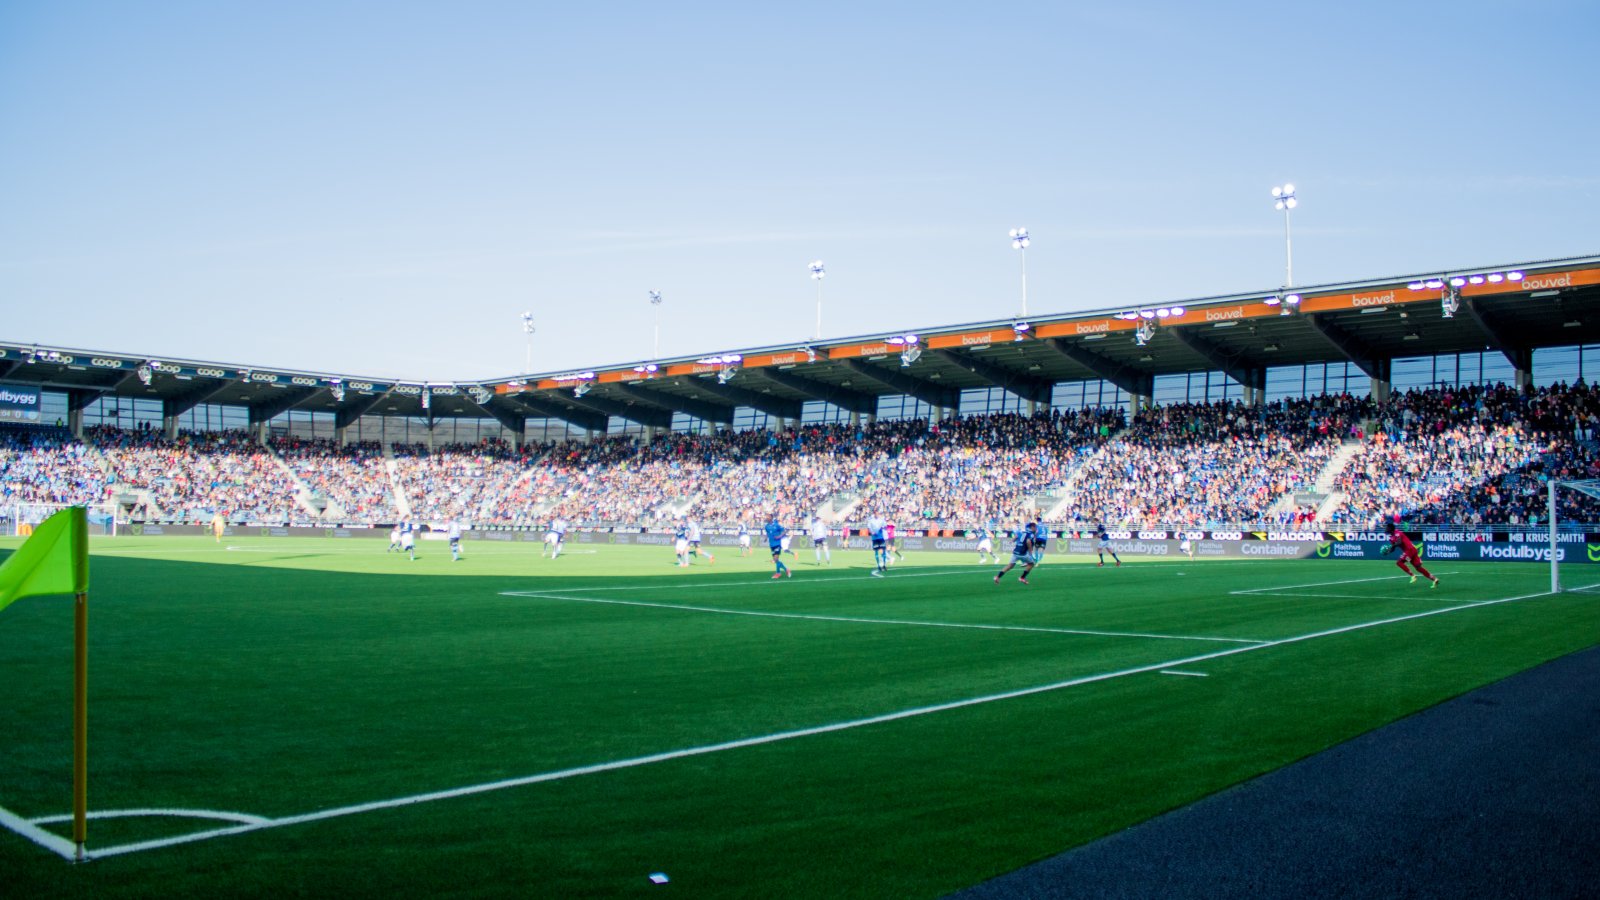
(861, 620)
(637, 761)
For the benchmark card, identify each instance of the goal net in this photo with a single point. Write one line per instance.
(1574, 506)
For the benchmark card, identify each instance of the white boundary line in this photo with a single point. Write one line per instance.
(1428, 595)
(244, 818)
(1189, 674)
(547, 595)
(53, 842)
(1290, 587)
(56, 843)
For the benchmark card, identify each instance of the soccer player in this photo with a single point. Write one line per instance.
(455, 540)
(1408, 552)
(559, 529)
(1021, 552)
(680, 545)
(819, 541)
(776, 539)
(549, 540)
(744, 539)
(1186, 547)
(408, 537)
(891, 543)
(394, 539)
(1104, 546)
(218, 522)
(986, 544)
(788, 539)
(694, 543)
(877, 529)
(1041, 538)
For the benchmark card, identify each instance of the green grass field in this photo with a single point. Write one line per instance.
(355, 722)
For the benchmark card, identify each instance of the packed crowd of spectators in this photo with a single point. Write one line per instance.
(920, 472)
(196, 474)
(1474, 455)
(47, 466)
(1214, 463)
(467, 482)
(352, 480)
(1469, 455)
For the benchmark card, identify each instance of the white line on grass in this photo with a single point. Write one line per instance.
(244, 818)
(546, 595)
(54, 843)
(1190, 674)
(1430, 596)
(1290, 587)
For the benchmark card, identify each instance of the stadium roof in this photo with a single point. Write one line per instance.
(1511, 309)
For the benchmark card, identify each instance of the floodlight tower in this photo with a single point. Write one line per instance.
(527, 329)
(655, 301)
(1020, 242)
(1283, 198)
(818, 272)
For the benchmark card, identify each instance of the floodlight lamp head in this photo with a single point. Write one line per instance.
(818, 270)
(655, 298)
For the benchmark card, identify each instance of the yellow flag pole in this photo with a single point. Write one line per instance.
(80, 726)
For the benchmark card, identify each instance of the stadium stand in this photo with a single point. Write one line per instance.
(1468, 455)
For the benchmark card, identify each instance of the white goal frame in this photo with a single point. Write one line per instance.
(1589, 486)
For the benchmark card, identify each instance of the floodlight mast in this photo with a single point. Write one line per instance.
(527, 329)
(818, 272)
(1283, 198)
(655, 301)
(1020, 242)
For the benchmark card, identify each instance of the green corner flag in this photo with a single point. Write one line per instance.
(55, 560)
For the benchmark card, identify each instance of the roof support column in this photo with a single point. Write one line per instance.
(1382, 380)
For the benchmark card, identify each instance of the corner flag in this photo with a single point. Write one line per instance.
(55, 560)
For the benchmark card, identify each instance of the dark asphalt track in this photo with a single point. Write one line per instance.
(1495, 794)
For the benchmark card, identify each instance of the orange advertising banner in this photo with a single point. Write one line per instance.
(1079, 327)
(1541, 281)
(972, 338)
(1389, 296)
(852, 351)
(787, 358)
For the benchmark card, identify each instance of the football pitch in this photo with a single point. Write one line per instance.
(287, 716)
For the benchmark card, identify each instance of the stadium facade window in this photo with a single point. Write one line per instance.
(1566, 364)
(984, 401)
(747, 419)
(819, 412)
(1073, 395)
(900, 406)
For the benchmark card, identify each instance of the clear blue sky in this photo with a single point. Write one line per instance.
(382, 188)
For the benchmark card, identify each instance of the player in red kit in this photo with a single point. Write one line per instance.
(1408, 554)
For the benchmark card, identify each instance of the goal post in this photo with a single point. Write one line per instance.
(1589, 487)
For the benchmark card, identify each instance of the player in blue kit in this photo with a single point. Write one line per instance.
(775, 535)
(878, 529)
(1021, 552)
(1104, 546)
